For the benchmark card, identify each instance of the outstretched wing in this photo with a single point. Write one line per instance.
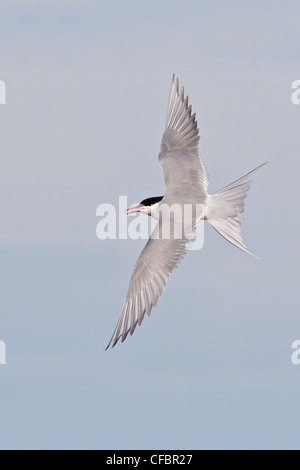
(182, 165)
(150, 275)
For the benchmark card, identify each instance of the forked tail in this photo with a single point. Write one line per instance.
(224, 209)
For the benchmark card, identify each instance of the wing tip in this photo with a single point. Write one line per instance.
(179, 116)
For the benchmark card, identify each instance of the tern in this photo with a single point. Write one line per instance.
(186, 183)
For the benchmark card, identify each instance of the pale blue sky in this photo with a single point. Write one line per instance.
(87, 89)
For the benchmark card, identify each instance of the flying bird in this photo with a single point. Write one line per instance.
(186, 184)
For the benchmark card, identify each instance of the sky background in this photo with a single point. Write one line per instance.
(87, 90)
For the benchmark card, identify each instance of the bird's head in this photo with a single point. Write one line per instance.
(148, 206)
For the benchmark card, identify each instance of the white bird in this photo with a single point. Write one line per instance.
(186, 182)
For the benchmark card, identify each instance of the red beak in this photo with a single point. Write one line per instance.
(133, 209)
